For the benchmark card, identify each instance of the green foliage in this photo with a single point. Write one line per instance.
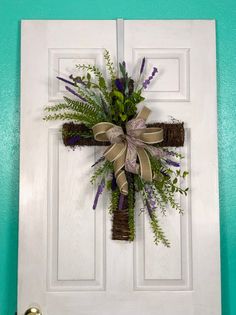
(99, 101)
(166, 184)
(103, 171)
(136, 97)
(90, 113)
(118, 110)
(91, 98)
(159, 236)
(109, 65)
(73, 133)
(126, 99)
(99, 76)
(114, 201)
(77, 117)
(57, 107)
(163, 189)
(138, 183)
(123, 107)
(81, 107)
(91, 68)
(176, 154)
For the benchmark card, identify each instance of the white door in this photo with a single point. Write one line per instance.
(68, 263)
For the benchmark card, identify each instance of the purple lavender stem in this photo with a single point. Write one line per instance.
(150, 201)
(121, 201)
(154, 71)
(73, 140)
(172, 153)
(113, 182)
(172, 163)
(149, 208)
(142, 66)
(119, 85)
(77, 80)
(99, 192)
(164, 174)
(66, 81)
(75, 93)
(98, 161)
(147, 82)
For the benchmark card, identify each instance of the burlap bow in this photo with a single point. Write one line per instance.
(126, 148)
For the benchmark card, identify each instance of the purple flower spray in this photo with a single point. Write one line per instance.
(150, 200)
(119, 85)
(148, 81)
(66, 81)
(71, 90)
(99, 192)
(75, 93)
(142, 65)
(73, 140)
(121, 201)
(172, 163)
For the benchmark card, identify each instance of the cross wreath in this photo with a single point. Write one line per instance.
(137, 154)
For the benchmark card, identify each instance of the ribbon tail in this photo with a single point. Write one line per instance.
(144, 113)
(145, 165)
(122, 183)
(121, 180)
(116, 153)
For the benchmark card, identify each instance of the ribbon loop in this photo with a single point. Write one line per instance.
(152, 135)
(100, 129)
(125, 149)
(115, 134)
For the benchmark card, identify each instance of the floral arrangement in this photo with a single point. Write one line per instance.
(134, 161)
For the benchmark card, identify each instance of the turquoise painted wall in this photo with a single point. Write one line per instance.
(11, 12)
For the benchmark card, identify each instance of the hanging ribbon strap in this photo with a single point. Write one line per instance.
(126, 149)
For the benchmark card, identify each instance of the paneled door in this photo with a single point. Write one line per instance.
(68, 263)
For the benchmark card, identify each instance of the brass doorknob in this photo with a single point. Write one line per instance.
(33, 311)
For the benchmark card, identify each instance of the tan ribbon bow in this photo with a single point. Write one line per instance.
(126, 148)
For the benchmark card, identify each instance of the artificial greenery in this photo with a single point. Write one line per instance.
(114, 201)
(116, 103)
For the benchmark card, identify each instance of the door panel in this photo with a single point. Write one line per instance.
(68, 263)
(188, 93)
(76, 234)
(160, 268)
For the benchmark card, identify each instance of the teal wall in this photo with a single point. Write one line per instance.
(11, 12)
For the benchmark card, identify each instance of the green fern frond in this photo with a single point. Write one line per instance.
(98, 74)
(90, 68)
(109, 65)
(57, 107)
(91, 97)
(73, 110)
(83, 108)
(98, 101)
(103, 170)
(159, 236)
(114, 201)
(88, 121)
